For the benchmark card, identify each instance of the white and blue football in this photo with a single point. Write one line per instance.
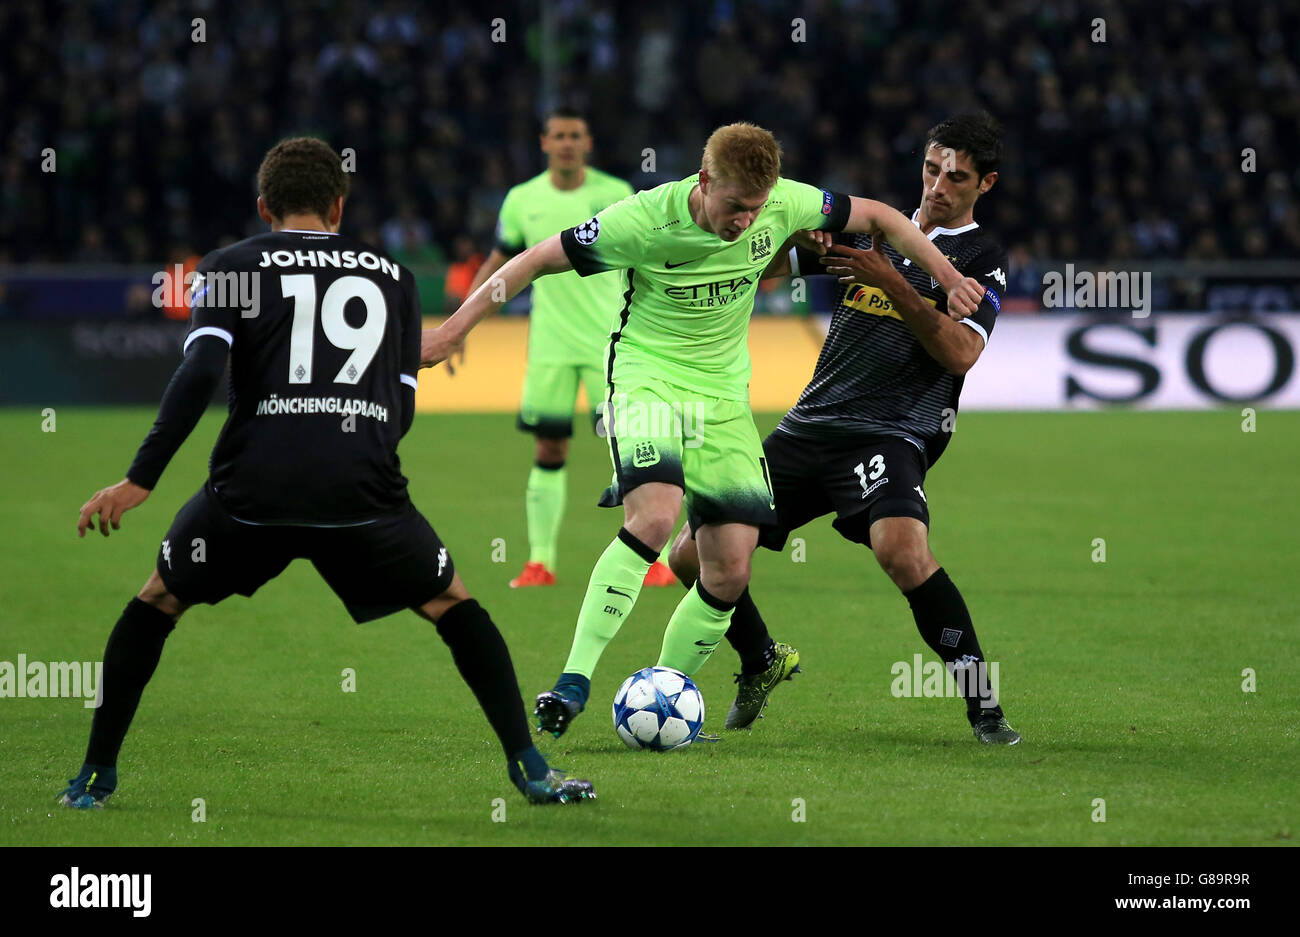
(658, 708)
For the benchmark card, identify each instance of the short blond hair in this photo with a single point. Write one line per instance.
(743, 154)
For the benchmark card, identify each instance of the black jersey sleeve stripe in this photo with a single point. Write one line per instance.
(508, 249)
(618, 333)
(839, 208)
(583, 258)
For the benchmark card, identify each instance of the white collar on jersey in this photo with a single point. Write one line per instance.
(300, 231)
(938, 231)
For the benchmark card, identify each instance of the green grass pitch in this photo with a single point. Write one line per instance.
(1125, 677)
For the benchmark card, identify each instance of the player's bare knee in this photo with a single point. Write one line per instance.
(683, 558)
(435, 608)
(907, 565)
(726, 579)
(552, 451)
(155, 593)
(652, 525)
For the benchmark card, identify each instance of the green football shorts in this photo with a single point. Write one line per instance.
(707, 446)
(550, 393)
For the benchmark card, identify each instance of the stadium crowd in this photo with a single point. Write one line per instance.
(1126, 149)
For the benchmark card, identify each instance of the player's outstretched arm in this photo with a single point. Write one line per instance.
(956, 347)
(867, 216)
(184, 401)
(539, 260)
(495, 261)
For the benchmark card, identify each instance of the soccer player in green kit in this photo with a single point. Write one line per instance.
(569, 323)
(694, 251)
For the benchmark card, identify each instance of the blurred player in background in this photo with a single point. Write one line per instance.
(306, 465)
(879, 411)
(568, 329)
(694, 251)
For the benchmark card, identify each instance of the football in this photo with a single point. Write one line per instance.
(658, 708)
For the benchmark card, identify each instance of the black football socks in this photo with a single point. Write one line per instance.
(481, 656)
(748, 636)
(945, 625)
(130, 658)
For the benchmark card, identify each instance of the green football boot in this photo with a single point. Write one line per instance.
(753, 691)
(993, 730)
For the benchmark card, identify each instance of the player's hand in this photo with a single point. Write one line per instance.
(816, 241)
(850, 265)
(436, 347)
(456, 358)
(964, 298)
(110, 504)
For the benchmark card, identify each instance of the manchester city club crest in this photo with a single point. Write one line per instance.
(760, 246)
(644, 453)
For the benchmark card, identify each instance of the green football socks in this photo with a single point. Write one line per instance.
(544, 508)
(697, 625)
(611, 593)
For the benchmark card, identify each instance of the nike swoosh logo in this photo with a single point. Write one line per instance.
(670, 266)
(706, 644)
(616, 592)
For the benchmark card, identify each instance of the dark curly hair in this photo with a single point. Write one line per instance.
(301, 175)
(976, 134)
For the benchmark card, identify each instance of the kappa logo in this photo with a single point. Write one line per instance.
(167, 553)
(442, 559)
(917, 489)
(760, 246)
(644, 454)
(998, 275)
(588, 231)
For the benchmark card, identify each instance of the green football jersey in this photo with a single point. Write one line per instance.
(690, 293)
(571, 318)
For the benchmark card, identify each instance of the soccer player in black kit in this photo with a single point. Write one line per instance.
(323, 337)
(878, 413)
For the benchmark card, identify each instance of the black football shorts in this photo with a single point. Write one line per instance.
(861, 479)
(393, 562)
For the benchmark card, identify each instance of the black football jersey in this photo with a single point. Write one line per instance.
(323, 332)
(873, 376)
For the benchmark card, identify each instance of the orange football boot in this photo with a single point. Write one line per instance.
(659, 575)
(534, 574)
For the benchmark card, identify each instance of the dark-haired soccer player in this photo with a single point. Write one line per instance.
(323, 359)
(878, 413)
(677, 374)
